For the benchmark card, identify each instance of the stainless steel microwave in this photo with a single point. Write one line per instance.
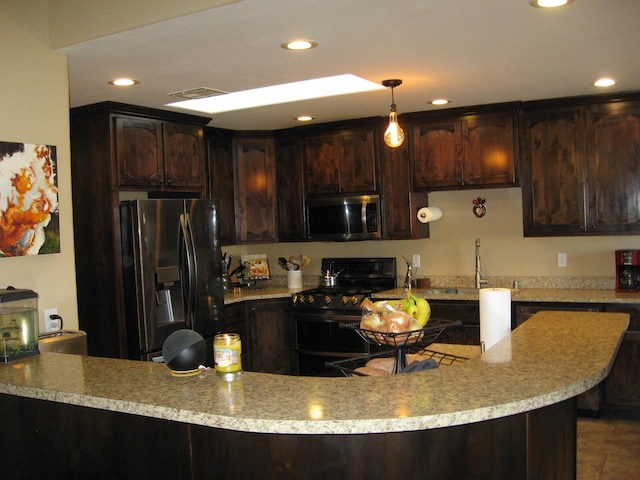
(342, 218)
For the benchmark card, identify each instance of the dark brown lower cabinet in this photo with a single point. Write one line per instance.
(54, 440)
(266, 332)
(468, 312)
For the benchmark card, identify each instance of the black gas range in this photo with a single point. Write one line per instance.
(320, 313)
(357, 278)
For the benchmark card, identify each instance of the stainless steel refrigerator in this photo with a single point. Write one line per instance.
(172, 265)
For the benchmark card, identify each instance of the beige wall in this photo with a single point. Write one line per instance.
(450, 249)
(34, 102)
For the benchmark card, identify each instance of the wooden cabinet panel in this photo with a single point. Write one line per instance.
(488, 150)
(437, 153)
(219, 148)
(322, 164)
(468, 312)
(554, 173)
(357, 161)
(400, 205)
(622, 386)
(341, 162)
(271, 336)
(290, 188)
(464, 151)
(580, 168)
(183, 155)
(255, 197)
(139, 152)
(614, 163)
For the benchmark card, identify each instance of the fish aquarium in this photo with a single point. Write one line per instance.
(18, 324)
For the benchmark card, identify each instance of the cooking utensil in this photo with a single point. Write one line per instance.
(305, 262)
(283, 263)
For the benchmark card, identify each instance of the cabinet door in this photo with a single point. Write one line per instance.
(235, 321)
(614, 160)
(220, 168)
(554, 172)
(357, 164)
(437, 155)
(488, 145)
(139, 155)
(467, 312)
(622, 386)
(290, 182)
(271, 336)
(322, 164)
(183, 155)
(255, 197)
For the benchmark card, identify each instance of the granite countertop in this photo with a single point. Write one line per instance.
(559, 295)
(257, 293)
(551, 357)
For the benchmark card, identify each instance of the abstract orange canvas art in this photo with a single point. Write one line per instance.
(29, 223)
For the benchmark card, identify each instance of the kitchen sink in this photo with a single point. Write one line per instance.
(447, 291)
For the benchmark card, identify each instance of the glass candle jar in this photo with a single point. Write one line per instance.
(227, 351)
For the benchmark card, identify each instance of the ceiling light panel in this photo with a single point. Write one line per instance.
(277, 94)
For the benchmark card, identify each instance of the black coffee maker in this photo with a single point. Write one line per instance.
(627, 270)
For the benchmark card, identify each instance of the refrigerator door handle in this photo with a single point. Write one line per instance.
(190, 275)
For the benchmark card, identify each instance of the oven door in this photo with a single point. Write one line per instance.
(321, 338)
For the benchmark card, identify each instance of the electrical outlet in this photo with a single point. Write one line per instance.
(415, 260)
(51, 324)
(562, 259)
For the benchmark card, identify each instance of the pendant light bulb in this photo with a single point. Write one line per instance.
(394, 135)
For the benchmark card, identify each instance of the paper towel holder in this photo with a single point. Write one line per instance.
(429, 214)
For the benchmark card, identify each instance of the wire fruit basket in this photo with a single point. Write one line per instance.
(349, 366)
(403, 341)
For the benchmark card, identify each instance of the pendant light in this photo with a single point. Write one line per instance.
(394, 135)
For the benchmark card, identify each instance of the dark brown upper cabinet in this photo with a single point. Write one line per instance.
(290, 188)
(474, 150)
(255, 190)
(219, 148)
(155, 153)
(580, 167)
(341, 162)
(400, 204)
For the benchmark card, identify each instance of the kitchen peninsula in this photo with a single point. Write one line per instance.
(509, 413)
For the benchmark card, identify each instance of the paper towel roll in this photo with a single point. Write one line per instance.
(495, 316)
(429, 214)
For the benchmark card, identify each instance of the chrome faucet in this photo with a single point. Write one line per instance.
(479, 280)
(408, 279)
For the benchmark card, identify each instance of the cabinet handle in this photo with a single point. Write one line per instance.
(171, 179)
(156, 177)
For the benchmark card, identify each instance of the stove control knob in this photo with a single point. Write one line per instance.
(300, 298)
(327, 299)
(311, 299)
(355, 300)
(345, 300)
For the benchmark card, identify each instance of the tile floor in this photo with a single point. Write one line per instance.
(608, 449)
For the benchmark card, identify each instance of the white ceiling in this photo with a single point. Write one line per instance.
(470, 51)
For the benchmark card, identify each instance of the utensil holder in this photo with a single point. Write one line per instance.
(294, 279)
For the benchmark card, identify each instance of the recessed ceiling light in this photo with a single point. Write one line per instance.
(305, 118)
(124, 82)
(549, 3)
(439, 101)
(299, 45)
(604, 82)
(277, 94)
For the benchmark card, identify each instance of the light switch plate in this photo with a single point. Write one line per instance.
(415, 259)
